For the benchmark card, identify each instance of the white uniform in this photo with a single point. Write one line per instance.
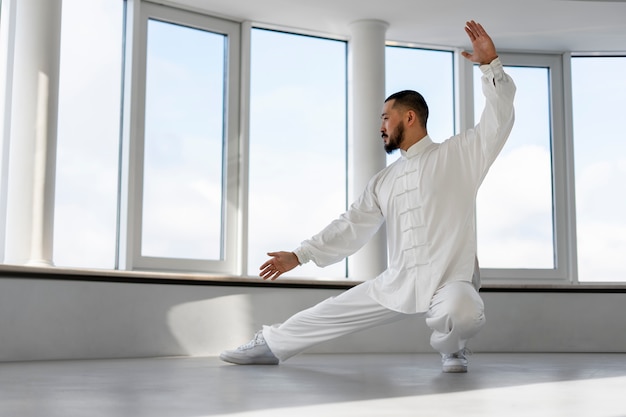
(427, 199)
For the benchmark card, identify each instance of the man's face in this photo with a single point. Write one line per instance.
(392, 127)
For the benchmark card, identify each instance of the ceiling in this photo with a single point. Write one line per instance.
(515, 25)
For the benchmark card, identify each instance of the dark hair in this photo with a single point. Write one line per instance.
(411, 100)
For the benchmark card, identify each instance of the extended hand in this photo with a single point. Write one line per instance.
(280, 263)
(484, 49)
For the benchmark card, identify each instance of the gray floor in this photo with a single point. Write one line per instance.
(319, 385)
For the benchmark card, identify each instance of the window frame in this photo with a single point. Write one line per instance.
(569, 117)
(246, 88)
(131, 195)
(7, 52)
(563, 207)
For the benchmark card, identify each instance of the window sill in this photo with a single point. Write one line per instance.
(153, 277)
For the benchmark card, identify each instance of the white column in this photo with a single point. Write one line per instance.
(33, 131)
(367, 93)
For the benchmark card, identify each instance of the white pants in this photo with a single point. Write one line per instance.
(456, 314)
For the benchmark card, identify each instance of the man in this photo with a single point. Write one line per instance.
(427, 199)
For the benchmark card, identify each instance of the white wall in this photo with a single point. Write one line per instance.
(55, 319)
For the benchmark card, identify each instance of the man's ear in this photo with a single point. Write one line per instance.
(411, 117)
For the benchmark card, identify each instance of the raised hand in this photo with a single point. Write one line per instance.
(484, 49)
(280, 263)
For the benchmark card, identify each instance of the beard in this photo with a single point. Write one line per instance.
(395, 139)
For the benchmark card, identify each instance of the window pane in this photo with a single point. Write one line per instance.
(88, 134)
(599, 101)
(514, 207)
(184, 136)
(430, 73)
(297, 143)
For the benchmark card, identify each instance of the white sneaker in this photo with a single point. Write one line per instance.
(255, 352)
(455, 362)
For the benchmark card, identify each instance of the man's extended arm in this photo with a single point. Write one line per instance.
(341, 238)
(483, 143)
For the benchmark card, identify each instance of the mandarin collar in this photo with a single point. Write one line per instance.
(417, 148)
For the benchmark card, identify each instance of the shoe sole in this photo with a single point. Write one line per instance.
(455, 369)
(248, 361)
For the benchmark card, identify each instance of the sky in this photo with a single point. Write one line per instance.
(297, 144)
(514, 206)
(183, 143)
(298, 147)
(88, 134)
(600, 163)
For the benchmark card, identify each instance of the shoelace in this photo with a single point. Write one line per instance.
(461, 354)
(256, 340)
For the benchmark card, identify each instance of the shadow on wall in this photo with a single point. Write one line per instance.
(201, 327)
(208, 326)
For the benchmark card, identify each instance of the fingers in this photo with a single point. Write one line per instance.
(278, 264)
(474, 27)
(484, 50)
(270, 269)
(270, 275)
(474, 30)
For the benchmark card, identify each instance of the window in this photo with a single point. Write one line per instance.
(521, 214)
(181, 198)
(183, 143)
(515, 200)
(599, 100)
(160, 168)
(297, 169)
(431, 73)
(86, 190)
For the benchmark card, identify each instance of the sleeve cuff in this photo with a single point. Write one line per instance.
(493, 69)
(301, 255)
